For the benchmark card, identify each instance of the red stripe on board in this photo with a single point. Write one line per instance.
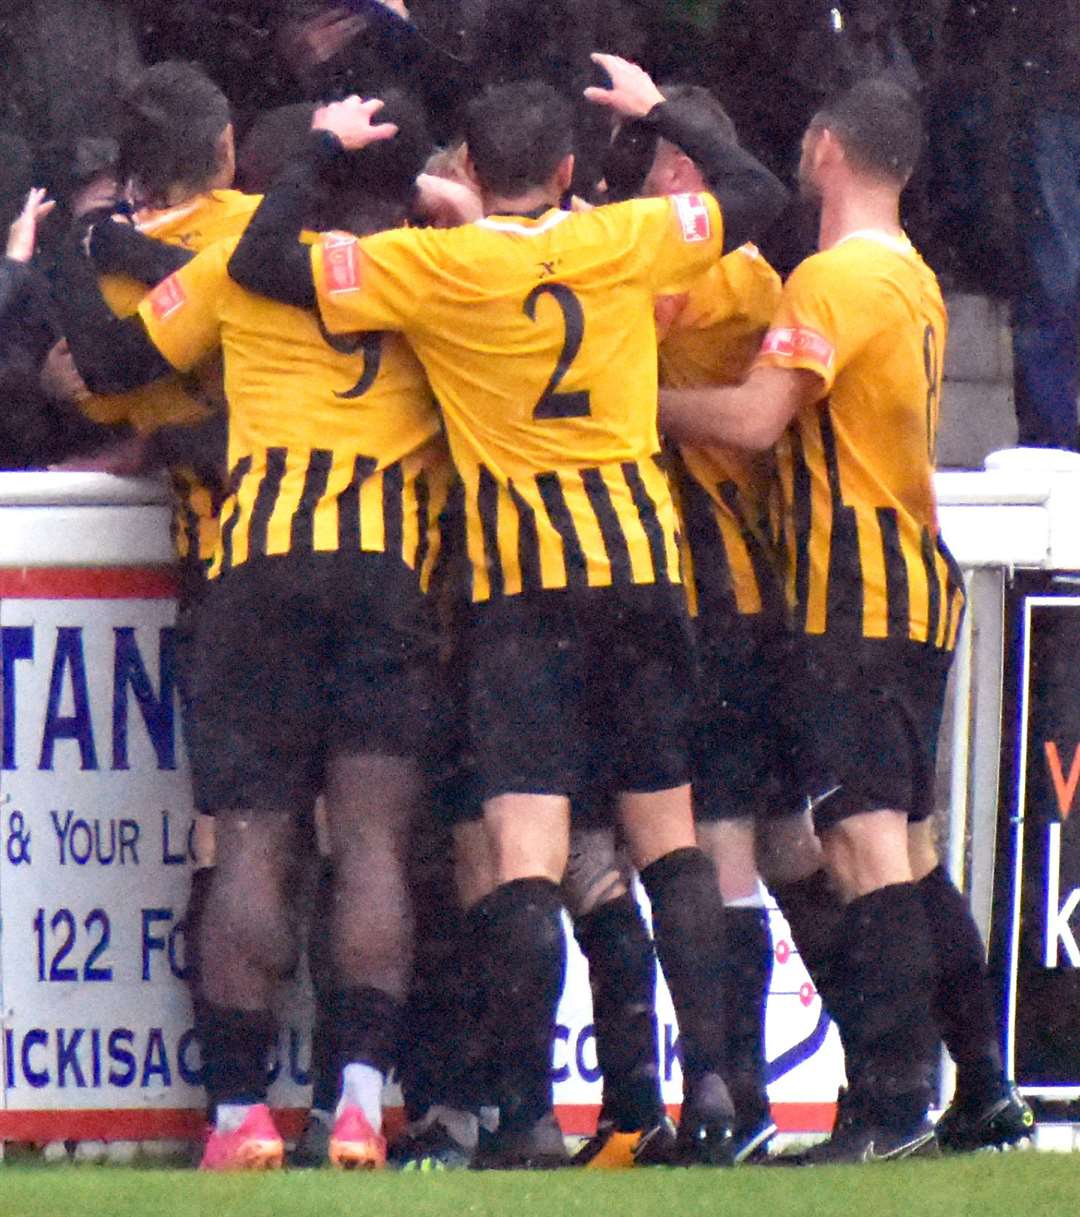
(580, 1118)
(185, 1123)
(88, 583)
(141, 1124)
(804, 1117)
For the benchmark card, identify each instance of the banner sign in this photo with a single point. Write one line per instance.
(1040, 866)
(95, 824)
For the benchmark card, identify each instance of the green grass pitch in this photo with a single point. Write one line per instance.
(1017, 1184)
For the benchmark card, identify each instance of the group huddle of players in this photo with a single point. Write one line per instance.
(570, 527)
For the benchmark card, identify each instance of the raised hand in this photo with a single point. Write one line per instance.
(22, 235)
(350, 121)
(632, 94)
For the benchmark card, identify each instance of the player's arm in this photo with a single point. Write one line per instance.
(270, 260)
(112, 354)
(15, 272)
(119, 248)
(751, 416)
(200, 446)
(750, 197)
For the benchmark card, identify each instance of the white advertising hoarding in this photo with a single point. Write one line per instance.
(95, 822)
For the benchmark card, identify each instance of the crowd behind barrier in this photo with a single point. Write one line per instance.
(992, 205)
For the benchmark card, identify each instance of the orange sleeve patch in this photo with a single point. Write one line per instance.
(167, 297)
(693, 215)
(341, 265)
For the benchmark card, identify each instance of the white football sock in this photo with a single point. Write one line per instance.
(229, 1116)
(362, 1086)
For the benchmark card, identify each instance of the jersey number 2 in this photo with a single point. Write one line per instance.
(552, 403)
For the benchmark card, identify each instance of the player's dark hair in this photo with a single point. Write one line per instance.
(633, 150)
(878, 124)
(516, 135)
(171, 120)
(375, 188)
(273, 139)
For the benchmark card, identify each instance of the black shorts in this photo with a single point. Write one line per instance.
(575, 691)
(863, 717)
(301, 658)
(740, 761)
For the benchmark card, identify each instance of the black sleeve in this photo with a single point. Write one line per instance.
(201, 446)
(750, 197)
(269, 260)
(14, 277)
(120, 249)
(112, 354)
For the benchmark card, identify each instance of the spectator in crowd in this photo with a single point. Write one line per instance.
(39, 385)
(46, 89)
(1046, 309)
(964, 216)
(269, 53)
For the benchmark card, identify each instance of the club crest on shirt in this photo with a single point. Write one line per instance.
(341, 264)
(693, 217)
(167, 297)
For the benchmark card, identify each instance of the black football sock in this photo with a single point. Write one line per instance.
(622, 976)
(749, 960)
(366, 1025)
(963, 1004)
(814, 912)
(474, 1075)
(235, 1046)
(437, 1059)
(325, 1075)
(525, 952)
(889, 961)
(688, 926)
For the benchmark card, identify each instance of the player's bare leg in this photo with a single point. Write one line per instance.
(688, 928)
(247, 948)
(474, 865)
(371, 803)
(204, 850)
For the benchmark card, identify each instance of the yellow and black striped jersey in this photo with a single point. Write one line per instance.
(175, 401)
(710, 335)
(538, 337)
(334, 443)
(859, 522)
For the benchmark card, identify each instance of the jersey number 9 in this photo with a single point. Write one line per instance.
(369, 345)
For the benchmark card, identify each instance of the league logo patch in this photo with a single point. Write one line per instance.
(167, 297)
(799, 343)
(693, 217)
(341, 265)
